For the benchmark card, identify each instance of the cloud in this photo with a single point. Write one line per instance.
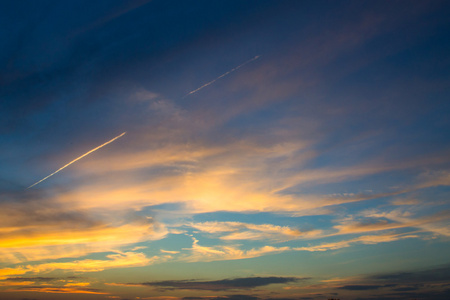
(437, 223)
(434, 178)
(362, 287)
(239, 297)
(405, 201)
(227, 252)
(119, 260)
(35, 227)
(58, 290)
(351, 227)
(442, 293)
(6, 272)
(161, 298)
(437, 274)
(77, 284)
(406, 289)
(366, 239)
(224, 284)
(247, 231)
(431, 283)
(207, 176)
(169, 251)
(145, 95)
(70, 281)
(233, 252)
(33, 279)
(33, 244)
(229, 297)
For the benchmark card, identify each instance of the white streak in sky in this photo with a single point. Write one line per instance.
(87, 153)
(221, 76)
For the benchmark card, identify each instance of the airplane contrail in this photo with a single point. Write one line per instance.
(221, 76)
(87, 153)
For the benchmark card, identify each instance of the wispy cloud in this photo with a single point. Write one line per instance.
(361, 287)
(365, 239)
(29, 244)
(42, 228)
(227, 297)
(233, 252)
(226, 252)
(247, 231)
(58, 290)
(437, 223)
(211, 177)
(118, 260)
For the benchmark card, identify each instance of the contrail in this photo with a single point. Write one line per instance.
(221, 76)
(87, 153)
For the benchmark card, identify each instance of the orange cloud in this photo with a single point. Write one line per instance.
(13, 283)
(367, 239)
(29, 243)
(77, 284)
(246, 231)
(7, 272)
(58, 290)
(230, 252)
(214, 253)
(437, 223)
(120, 260)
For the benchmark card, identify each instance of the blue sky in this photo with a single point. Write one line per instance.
(224, 150)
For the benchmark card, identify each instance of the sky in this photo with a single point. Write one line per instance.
(227, 149)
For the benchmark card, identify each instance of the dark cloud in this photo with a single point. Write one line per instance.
(35, 279)
(39, 279)
(421, 284)
(406, 289)
(224, 284)
(441, 273)
(241, 297)
(230, 297)
(288, 298)
(360, 287)
(435, 295)
(428, 295)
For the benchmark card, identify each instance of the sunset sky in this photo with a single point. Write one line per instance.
(226, 149)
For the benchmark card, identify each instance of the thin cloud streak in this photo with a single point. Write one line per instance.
(76, 159)
(221, 76)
